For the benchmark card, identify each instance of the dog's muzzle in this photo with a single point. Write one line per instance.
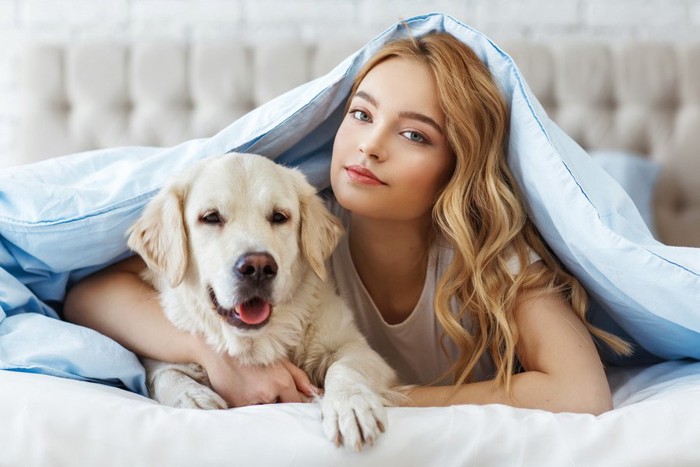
(256, 269)
(250, 314)
(254, 273)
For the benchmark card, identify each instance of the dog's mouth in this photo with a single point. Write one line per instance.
(251, 314)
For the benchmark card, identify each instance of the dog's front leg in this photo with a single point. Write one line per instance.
(181, 385)
(356, 389)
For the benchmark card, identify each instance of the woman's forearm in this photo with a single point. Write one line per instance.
(120, 305)
(531, 389)
(117, 303)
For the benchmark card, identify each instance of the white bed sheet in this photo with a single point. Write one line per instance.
(46, 420)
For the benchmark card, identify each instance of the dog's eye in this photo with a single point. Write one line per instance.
(279, 217)
(211, 218)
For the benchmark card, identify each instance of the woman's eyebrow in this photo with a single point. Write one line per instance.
(363, 95)
(421, 118)
(404, 114)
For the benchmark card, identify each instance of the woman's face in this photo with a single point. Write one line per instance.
(391, 156)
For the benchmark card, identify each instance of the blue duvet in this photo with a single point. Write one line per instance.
(64, 218)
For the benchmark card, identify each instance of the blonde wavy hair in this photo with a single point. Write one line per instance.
(479, 213)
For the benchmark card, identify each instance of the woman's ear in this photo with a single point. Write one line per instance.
(159, 235)
(320, 230)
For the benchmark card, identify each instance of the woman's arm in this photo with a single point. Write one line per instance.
(563, 372)
(117, 303)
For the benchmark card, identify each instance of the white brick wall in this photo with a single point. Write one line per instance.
(378, 15)
(71, 13)
(635, 13)
(298, 12)
(62, 20)
(529, 13)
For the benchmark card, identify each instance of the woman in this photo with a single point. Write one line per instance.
(445, 271)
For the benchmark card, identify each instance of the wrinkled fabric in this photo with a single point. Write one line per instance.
(51, 421)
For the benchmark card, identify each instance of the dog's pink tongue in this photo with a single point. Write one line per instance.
(254, 311)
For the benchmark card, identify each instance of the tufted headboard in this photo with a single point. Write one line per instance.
(97, 95)
(638, 97)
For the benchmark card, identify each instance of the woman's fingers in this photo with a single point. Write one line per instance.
(242, 385)
(301, 380)
(290, 394)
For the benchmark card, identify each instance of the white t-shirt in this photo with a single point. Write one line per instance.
(411, 347)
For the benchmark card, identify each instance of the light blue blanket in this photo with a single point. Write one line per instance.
(64, 218)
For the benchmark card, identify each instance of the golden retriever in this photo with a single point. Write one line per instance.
(236, 247)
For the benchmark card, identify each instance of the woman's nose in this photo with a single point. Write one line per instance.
(373, 145)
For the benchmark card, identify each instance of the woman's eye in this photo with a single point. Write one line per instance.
(414, 136)
(279, 217)
(360, 115)
(211, 218)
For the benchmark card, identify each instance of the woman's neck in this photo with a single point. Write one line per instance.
(391, 259)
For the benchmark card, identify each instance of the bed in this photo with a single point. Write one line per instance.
(626, 221)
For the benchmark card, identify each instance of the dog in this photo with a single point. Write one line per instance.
(236, 248)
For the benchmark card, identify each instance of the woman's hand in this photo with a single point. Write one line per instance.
(240, 385)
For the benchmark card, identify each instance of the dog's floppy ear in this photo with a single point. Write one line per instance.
(320, 230)
(159, 235)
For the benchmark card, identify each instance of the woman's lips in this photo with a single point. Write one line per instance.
(362, 175)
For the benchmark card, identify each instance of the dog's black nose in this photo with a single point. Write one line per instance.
(256, 267)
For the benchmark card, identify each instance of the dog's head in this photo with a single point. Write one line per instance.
(239, 229)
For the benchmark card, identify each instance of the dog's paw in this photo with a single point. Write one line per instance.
(353, 416)
(181, 385)
(197, 396)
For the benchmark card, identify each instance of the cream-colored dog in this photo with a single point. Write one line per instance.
(236, 247)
